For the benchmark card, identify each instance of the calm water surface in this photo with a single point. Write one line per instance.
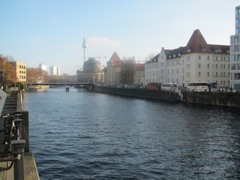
(84, 135)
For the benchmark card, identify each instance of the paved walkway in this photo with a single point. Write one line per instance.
(30, 169)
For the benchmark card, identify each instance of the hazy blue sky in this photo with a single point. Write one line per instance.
(52, 31)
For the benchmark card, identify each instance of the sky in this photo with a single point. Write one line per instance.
(52, 31)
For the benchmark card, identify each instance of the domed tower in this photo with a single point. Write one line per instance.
(91, 72)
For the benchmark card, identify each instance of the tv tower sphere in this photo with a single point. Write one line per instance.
(84, 45)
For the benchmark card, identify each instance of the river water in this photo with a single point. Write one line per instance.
(85, 135)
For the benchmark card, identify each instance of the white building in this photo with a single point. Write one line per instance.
(55, 71)
(235, 53)
(43, 67)
(152, 70)
(197, 61)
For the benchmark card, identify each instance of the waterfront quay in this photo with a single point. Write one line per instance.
(222, 99)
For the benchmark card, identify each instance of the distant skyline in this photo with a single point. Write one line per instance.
(52, 31)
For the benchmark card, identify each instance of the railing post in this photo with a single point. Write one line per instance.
(18, 151)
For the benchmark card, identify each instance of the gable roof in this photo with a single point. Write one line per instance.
(154, 59)
(115, 59)
(197, 44)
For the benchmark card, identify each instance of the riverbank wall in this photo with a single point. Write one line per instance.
(139, 93)
(223, 99)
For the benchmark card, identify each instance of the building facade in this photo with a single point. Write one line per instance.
(113, 70)
(91, 72)
(152, 70)
(235, 53)
(197, 61)
(20, 72)
(43, 67)
(54, 71)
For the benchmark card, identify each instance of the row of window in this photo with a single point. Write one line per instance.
(154, 73)
(216, 58)
(222, 66)
(22, 72)
(153, 65)
(177, 80)
(235, 57)
(22, 67)
(22, 77)
(235, 66)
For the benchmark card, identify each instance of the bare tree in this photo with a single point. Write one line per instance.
(36, 75)
(128, 71)
(8, 73)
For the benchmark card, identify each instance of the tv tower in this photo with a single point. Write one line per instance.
(84, 45)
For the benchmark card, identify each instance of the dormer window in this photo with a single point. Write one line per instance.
(204, 49)
(189, 50)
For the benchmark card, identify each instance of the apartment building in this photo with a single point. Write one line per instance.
(235, 53)
(54, 71)
(197, 61)
(20, 71)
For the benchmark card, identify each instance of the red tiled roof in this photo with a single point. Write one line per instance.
(197, 44)
(115, 59)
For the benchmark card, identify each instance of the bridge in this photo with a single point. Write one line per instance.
(61, 84)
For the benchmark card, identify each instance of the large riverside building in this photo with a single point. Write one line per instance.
(197, 61)
(91, 72)
(235, 52)
(20, 71)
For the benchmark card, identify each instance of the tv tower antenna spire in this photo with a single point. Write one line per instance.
(84, 45)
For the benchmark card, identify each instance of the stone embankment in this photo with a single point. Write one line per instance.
(139, 93)
(223, 99)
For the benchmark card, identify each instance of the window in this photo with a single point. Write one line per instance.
(199, 74)
(237, 11)
(208, 66)
(236, 39)
(199, 57)
(216, 66)
(237, 30)
(208, 58)
(232, 58)
(199, 65)
(208, 74)
(238, 57)
(236, 48)
(233, 67)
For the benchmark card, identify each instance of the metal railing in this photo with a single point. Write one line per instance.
(13, 144)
